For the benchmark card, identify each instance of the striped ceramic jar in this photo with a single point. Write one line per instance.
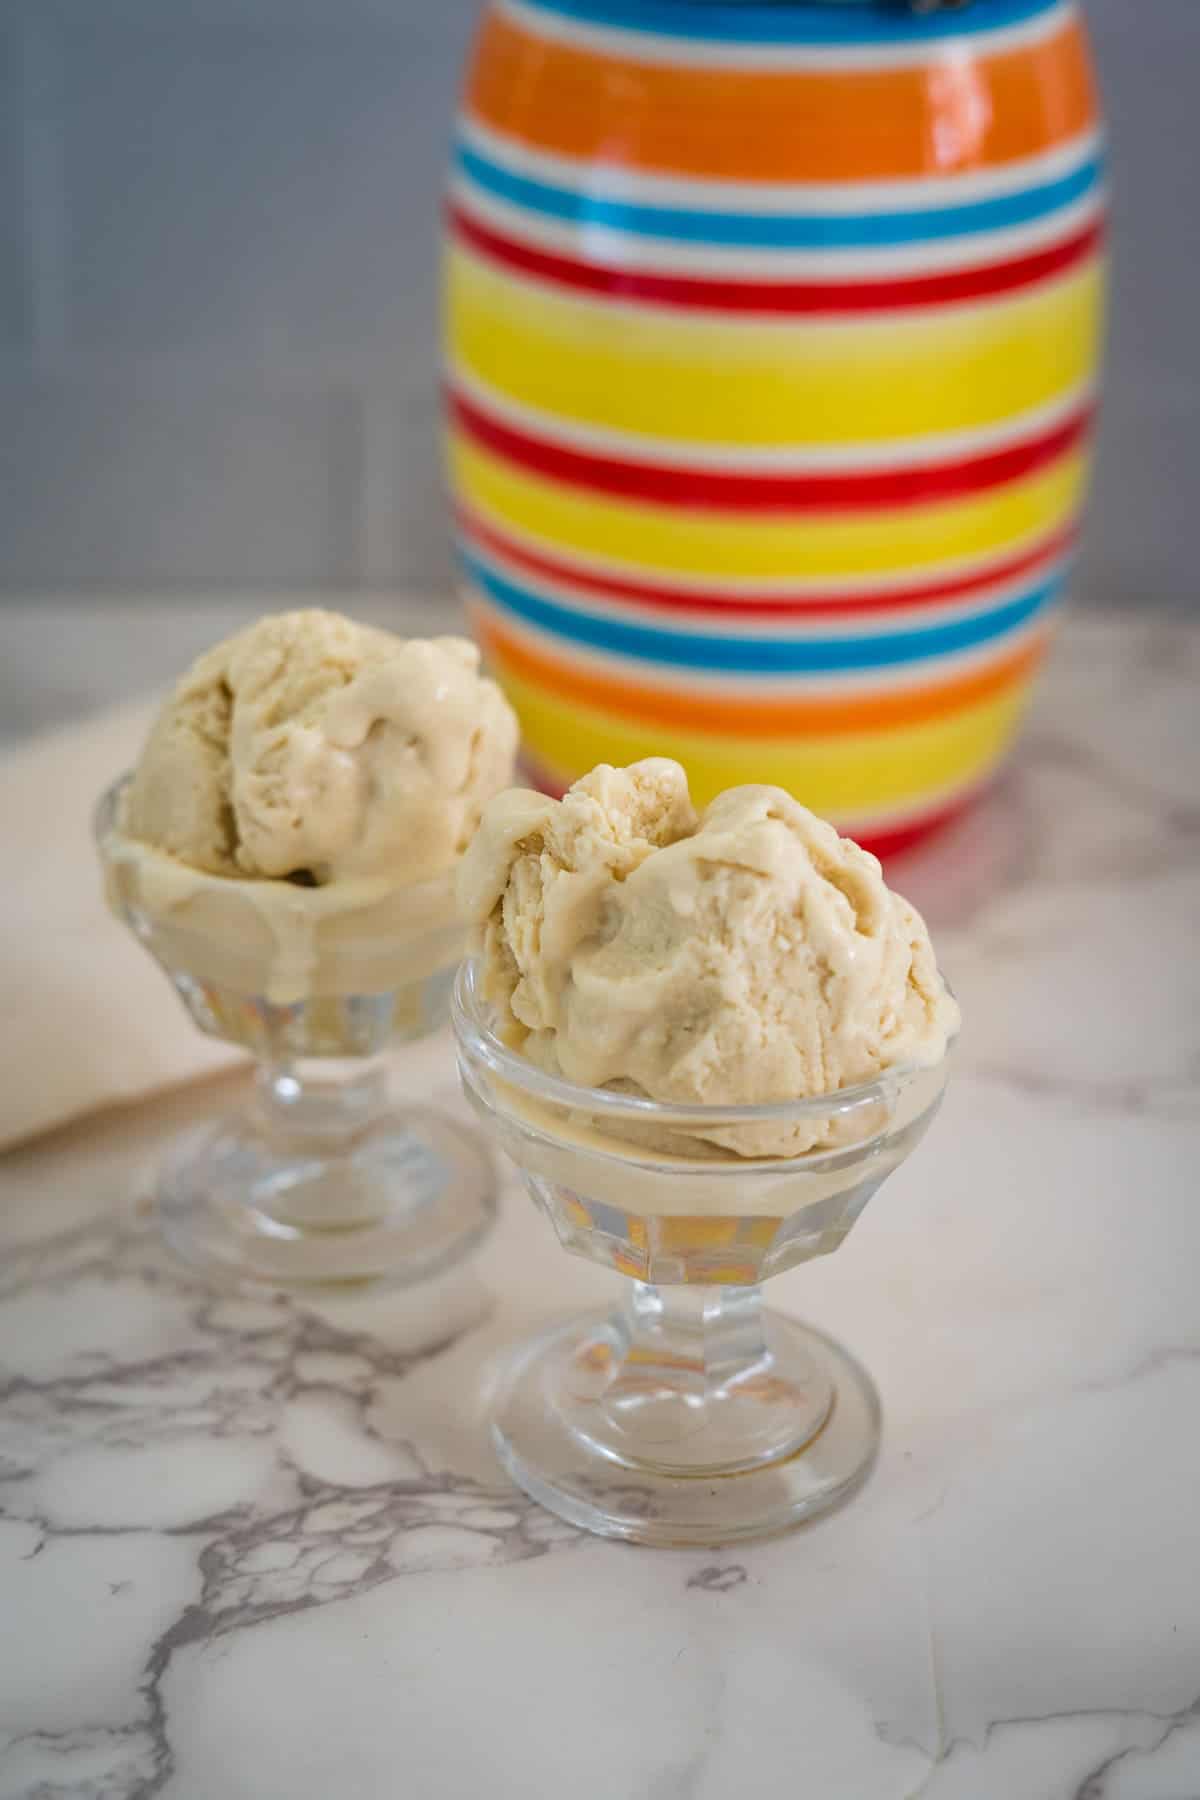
(772, 333)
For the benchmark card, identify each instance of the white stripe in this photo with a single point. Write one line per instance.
(665, 256)
(707, 625)
(868, 684)
(764, 587)
(926, 805)
(616, 181)
(712, 53)
(731, 459)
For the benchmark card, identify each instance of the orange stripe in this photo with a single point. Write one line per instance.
(782, 125)
(755, 718)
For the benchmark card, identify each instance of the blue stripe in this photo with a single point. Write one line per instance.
(758, 655)
(798, 22)
(787, 231)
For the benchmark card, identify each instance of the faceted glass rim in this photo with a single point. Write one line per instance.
(472, 1027)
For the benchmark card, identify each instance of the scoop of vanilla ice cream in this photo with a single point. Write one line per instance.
(744, 956)
(312, 747)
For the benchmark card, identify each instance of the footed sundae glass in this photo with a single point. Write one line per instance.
(690, 1414)
(323, 1179)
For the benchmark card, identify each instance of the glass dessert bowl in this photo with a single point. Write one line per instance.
(690, 1414)
(323, 1179)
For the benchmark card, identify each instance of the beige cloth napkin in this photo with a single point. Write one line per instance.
(86, 1017)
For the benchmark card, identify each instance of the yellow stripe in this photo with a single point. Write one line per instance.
(713, 379)
(866, 773)
(709, 544)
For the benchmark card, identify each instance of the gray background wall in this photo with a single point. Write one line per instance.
(218, 230)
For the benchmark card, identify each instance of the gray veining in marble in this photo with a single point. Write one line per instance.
(253, 1549)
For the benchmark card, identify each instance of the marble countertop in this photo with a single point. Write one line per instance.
(253, 1549)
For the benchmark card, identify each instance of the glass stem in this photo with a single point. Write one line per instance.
(320, 1106)
(313, 1114)
(706, 1338)
(694, 1386)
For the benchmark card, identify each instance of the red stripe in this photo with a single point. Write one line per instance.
(613, 587)
(781, 296)
(886, 844)
(742, 491)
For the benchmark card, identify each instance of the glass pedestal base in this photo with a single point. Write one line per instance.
(623, 1426)
(405, 1195)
